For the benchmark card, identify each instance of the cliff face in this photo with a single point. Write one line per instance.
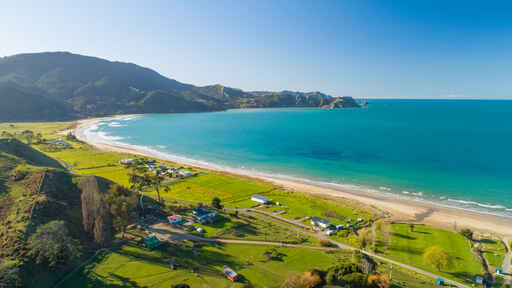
(342, 102)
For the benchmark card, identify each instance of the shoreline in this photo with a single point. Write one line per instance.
(406, 210)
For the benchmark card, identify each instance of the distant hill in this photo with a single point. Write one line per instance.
(61, 85)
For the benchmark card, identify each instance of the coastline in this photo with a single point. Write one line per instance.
(407, 210)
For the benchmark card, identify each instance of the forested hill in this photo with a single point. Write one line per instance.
(61, 85)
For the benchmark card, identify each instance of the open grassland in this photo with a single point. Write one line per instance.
(132, 266)
(408, 247)
(494, 251)
(47, 129)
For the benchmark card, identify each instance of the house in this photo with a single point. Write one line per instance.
(230, 273)
(126, 161)
(204, 215)
(185, 173)
(359, 220)
(175, 219)
(163, 168)
(440, 281)
(499, 271)
(151, 242)
(330, 232)
(317, 221)
(151, 165)
(60, 142)
(259, 199)
(340, 227)
(479, 280)
(199, 229)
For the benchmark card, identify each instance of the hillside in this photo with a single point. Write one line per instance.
(35, 190)
(60, 85)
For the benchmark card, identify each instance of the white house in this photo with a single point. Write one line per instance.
(185, 173)
(259, 199)
(330, 232)
(317, 221)
(126, 161)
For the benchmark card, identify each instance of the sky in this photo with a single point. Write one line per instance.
(366, 49)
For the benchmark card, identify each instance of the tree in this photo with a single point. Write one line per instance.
(28, 135)
(156, 181)
(467, 233)
(411, 227)
(216, 203)
(51, 244)
(123, 204)
(437, 258)
(9, 274)
(39, 137)
(355, 280)
(379, 281)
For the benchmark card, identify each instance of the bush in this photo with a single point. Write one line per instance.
(355, 280)
(326, 243)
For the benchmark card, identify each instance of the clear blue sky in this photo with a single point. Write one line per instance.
(399, 49)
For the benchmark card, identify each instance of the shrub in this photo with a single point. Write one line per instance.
(467, 233)
(51, 244)
(326, 243)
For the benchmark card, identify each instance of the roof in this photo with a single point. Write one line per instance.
(174, 217)
(321, 220)
(259, 197)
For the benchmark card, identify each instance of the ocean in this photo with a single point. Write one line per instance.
(451, 152)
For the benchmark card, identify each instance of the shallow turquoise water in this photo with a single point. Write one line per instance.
(454, 152)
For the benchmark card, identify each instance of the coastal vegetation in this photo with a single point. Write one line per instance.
(61, 86)
(95, 197)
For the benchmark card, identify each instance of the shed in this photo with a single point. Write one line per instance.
(479, 280)
(175, 219)
(340, 227)
(259, 199)
(499, 271)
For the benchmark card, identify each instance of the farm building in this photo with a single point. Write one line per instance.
(259, 199)
(151, 242)
(317, 221)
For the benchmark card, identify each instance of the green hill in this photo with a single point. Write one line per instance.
(60, 85)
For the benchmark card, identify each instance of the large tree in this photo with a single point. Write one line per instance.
(51, 244)
(123, 206)
(437, 257)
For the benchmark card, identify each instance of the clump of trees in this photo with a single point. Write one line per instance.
(360, 272)
(467, 233)
(437, 258)
(273, 255)
(123, 206)
(51, 244)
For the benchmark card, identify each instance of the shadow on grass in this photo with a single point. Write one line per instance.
(403, 236)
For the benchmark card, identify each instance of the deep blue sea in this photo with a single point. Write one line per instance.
(454, 152)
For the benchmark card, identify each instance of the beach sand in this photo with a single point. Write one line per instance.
(399, 209)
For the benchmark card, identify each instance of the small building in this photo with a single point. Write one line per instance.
(175, 219)
(340, 227)
(359, 220)
(498, 271)
(199, 229)
(151, 165)
(479, 280)
(330, 232)
(230, 273)
(440, 281)
(259, 199)
(162, 168)
(317, 221)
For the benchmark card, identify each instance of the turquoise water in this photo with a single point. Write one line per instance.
(453, 152)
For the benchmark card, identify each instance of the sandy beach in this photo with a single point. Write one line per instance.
(399, 209)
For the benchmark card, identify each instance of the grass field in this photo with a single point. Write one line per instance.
(408, 247)
(494, 251)
(132, 266)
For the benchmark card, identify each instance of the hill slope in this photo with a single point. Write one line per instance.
(67, 85)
